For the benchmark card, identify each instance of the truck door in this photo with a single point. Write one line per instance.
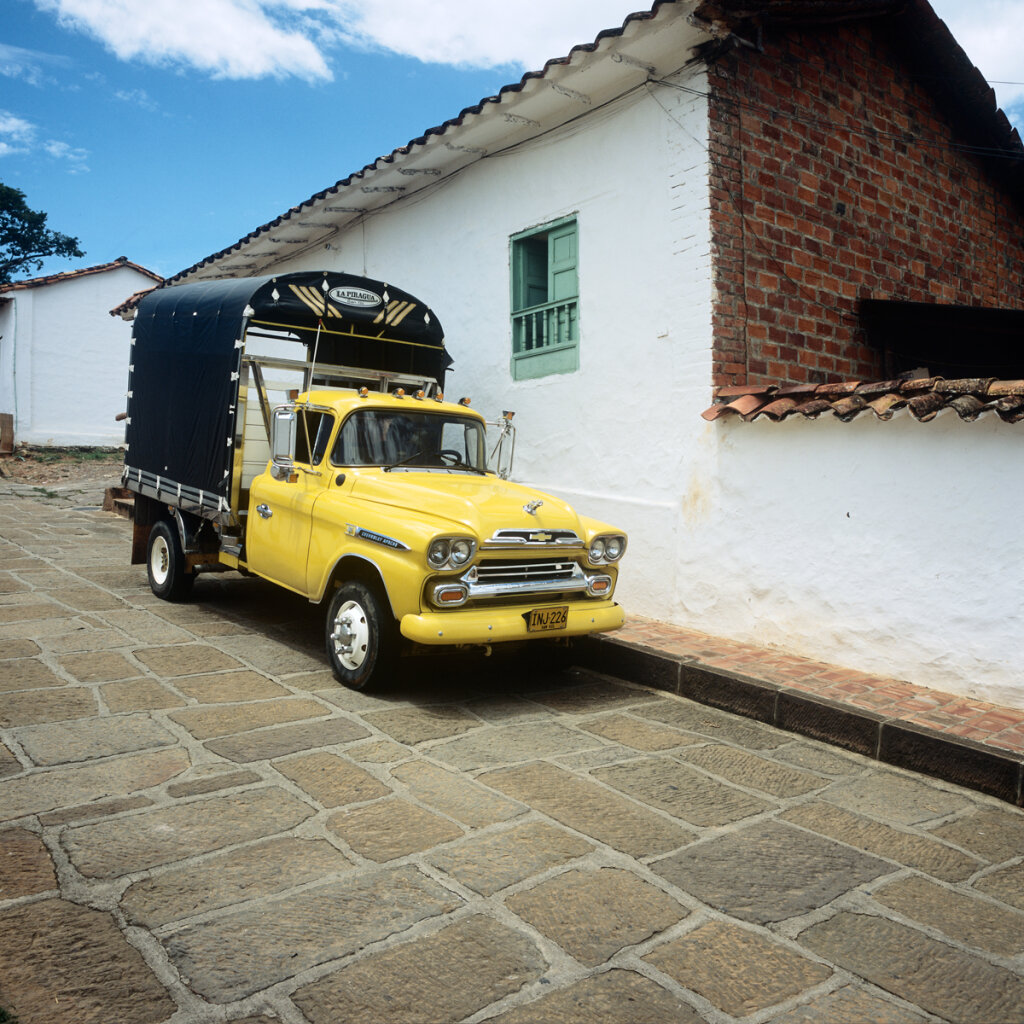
(281, 511)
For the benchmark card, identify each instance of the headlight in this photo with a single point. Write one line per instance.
(462, 552)
(437, 553)
(450, 552)
(609, 548)
(613, 548)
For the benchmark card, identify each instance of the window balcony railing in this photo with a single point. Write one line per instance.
(550, 325)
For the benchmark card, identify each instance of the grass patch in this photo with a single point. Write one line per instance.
(73, 454)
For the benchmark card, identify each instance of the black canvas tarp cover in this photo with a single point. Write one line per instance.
(187, 349)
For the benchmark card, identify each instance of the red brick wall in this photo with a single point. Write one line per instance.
(809, 217)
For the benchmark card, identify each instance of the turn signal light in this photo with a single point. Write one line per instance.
(449, 594)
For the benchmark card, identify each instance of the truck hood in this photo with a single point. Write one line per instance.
(479, 504)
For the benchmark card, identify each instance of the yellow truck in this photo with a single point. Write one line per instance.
(294, 427)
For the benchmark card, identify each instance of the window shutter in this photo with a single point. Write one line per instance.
(562, 281)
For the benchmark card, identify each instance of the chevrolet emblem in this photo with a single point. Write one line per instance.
(540, 538)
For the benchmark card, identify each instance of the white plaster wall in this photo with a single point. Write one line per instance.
(885, 547)
(65, 369)
(892, 547)
(8, 324)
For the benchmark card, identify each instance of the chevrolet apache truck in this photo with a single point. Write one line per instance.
(294, 427)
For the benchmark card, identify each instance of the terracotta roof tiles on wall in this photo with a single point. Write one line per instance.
(70, 275)
(923, 399)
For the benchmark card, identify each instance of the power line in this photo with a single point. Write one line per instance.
(906, 138)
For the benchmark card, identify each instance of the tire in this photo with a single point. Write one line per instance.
(168, 576)
(360, 635)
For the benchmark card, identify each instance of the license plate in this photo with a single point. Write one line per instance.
(539, 620)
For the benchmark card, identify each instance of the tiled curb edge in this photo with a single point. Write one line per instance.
(943, 756)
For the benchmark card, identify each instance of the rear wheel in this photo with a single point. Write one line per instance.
(169, 578)
(360, 635)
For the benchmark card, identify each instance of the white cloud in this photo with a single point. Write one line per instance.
(526, 33)
(74, 155)
(16, 134)
(19, 137)
(28, 65)
(259, 38)
(225, 38)
(990, 33)
(137, 97)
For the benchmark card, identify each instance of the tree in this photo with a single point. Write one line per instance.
(25, 240)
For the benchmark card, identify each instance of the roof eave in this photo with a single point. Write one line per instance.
(71, 275)
(590, 76)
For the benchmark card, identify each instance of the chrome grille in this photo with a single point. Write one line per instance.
(498, 578)
(524, 572)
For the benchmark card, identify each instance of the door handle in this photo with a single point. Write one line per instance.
(264, 511)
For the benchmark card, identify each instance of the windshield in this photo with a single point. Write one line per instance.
(410, 440)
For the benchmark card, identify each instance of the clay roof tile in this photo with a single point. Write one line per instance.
(969, 397)
(779, 409)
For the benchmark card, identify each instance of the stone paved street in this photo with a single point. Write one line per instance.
(197, 824)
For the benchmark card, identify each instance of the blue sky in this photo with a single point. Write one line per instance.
(164, 130)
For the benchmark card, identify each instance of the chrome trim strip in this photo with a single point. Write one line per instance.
(514, 589)
(575, 581)
(520, 537)
(375, 538)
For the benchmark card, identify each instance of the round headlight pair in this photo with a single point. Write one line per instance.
(607, 549)
(450, 552)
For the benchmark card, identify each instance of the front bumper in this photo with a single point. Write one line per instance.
(495, 625)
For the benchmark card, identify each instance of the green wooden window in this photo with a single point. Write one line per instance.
(545, 301)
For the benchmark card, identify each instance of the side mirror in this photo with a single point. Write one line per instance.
(282, 437)
(504, 449)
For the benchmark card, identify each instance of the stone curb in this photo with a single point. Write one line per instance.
(890, 740)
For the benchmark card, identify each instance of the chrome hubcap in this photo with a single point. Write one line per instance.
(351, 635)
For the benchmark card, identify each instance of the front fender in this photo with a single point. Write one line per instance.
(401, 578)
(394, 547)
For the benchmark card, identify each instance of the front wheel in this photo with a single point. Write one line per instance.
(169, 577)
(360, 634)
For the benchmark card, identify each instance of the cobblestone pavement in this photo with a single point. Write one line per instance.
(198, 825)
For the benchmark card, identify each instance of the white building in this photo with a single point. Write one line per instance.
(586, 194)
(63, 360)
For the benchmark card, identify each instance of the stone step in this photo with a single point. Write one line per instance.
(119, 500)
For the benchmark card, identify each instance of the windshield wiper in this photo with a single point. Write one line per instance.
(401, 462)
(457, 462)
